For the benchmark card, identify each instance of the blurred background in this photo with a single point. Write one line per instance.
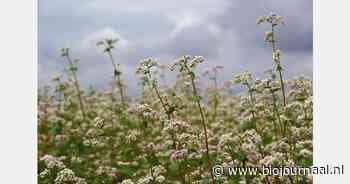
(223, 31)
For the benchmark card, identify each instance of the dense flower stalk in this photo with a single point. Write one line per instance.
(66, 53)
(187, 65)
(145, 73)
(108, 45)
(274, 20)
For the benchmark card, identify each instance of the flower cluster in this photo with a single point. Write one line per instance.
(107, 44)
(270, 19)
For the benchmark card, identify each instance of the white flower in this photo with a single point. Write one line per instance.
(157, 170)
(145, 180)
(127, 181)
(65, 176)
(305, 153)
(52, 162)
(160, 179)
(276, 55)
(44, 173)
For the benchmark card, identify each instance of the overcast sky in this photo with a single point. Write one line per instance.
(223, 31)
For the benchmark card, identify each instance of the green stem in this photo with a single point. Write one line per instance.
(164, 105)
(279, 68)
(195, 94)
(118, 80)
(282, 87)
(216, 98)
(274, 99)
(251, 99)
(168, 113)
(76, 84)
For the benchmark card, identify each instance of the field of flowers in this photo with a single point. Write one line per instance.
(175, 133)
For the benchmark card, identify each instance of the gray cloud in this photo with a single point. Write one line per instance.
(223, 31)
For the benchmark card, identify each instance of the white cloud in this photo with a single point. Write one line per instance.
(184, 21)
(215, 29)
(91, 39)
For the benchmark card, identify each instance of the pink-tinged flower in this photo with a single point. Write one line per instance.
(173, 156)
(178, 154)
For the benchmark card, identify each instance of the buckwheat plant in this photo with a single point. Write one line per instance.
(187, 65)
(270, 37)
(246, 80)
(108, 45)
(272, 87)
(65, 52)
(144, 71)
